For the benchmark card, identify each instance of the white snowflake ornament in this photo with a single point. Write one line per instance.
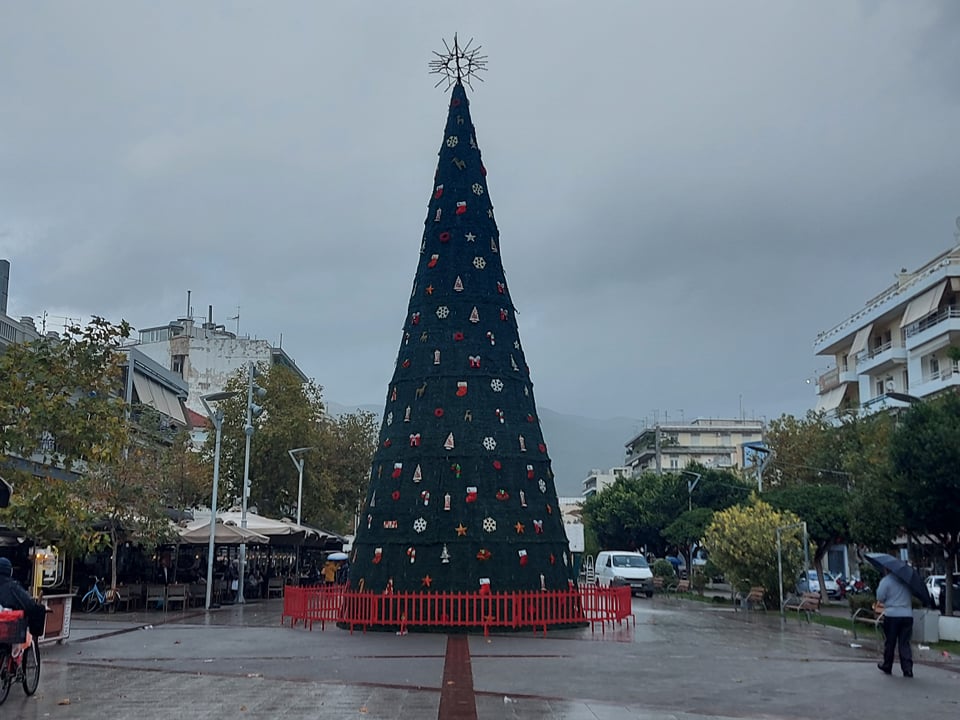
(477, 189)
(496, 384)
(479, 263)
(489, 524)
(542, 485)
(443, 311)
(420, 524)
(489, 443)
(452, 141)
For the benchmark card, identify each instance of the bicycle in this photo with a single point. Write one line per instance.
(24, 668)
(95, 599)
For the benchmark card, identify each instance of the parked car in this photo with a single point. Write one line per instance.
(622, 567)
(812, 584)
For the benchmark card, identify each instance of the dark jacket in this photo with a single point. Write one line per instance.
(14, 597)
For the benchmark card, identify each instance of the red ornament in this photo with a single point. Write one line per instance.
(458, 336)
(386, 443)
(395, 495)
(484, 554)
(502, 495)
(455, 102)
(542, 448)
(406, 363)
(461, 207)
(444, 237)
(553, 559)
(523, 557)
(438, 412)
(530, 418)
(529, 472)
(397, 469)
(483, 170)
(497, 465)
(433, 261)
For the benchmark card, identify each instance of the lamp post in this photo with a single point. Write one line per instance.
(216, 417)
(253, 411)
(297, 456)
(766, 456)
(691, 486)
(806, 559)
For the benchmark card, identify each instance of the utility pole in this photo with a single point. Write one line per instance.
(253, 411)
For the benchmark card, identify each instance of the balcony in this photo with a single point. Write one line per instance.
(934, 325)
(881, 358)
(935, 382)
(835, 377)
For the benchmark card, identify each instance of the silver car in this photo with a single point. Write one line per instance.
(812, 584)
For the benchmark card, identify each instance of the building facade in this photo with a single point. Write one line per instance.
(597, 480)
(899, 343)
(12, 331)
(671, 447)
(207, 355)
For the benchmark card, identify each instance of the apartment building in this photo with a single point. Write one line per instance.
(206, 355)
(12, 331)
(671, 447)
(597, 480)
(898, 344)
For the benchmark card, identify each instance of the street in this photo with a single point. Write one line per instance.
(682, 660)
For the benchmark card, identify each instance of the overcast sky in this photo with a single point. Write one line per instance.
(686, 192)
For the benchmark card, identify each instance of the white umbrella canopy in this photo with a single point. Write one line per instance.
(223, 534)
(280, 531)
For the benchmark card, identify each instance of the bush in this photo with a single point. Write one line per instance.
(664, 569)
(698, 582)
(858, 602)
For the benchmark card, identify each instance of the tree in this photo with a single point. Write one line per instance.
(58, 396)
(743, 544)
(825, 510)
(348, 445)
(688, 530)
(925, 484)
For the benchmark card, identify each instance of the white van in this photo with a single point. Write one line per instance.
(622, 567)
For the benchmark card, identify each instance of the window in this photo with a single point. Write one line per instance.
(177, 363)
(674, 463)
(934, 365)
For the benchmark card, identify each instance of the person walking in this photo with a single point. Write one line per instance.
(895, 601)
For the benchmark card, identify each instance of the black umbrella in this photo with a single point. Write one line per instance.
(910, 577)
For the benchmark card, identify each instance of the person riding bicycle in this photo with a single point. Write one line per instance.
(14, 597)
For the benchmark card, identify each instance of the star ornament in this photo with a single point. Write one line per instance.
(426, 581)
(519, 528)
(461, 530)
(460, 63)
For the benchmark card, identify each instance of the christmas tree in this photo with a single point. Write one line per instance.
(461, 496)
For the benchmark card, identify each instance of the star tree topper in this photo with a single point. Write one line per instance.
(458, 64)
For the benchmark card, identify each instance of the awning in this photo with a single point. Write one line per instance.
(860, 341)
(923, 305)
(158, 397)
(831, 400)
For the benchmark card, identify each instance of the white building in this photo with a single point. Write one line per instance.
(713, 443)
(207, 355)
(11, 331)
(899, 343)
(597, 480)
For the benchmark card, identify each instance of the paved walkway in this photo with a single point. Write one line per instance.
(682, 660)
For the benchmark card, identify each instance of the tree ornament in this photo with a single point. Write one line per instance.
(448, 443)
(415, 440)
(472, 494)
(446, 502)
(489, 524)
(420, 524)
(461, 530)
(377, 555)
(397, 470)
(458, 285)
(461, 207)
(522, 554)
(417, 474)
(445, 555)
(461, 388)
(519, 527)
(474, 315)
(412, 554)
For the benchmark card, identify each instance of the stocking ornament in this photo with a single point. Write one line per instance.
(471, 494)
(523, 557)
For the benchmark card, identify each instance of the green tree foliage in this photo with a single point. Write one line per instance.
(688, 530)
(825, 509)
(335, 468)
(925, 482)
(805, 450)
(58, 398)
(743, 544)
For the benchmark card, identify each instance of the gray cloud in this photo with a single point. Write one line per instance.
(686, 195)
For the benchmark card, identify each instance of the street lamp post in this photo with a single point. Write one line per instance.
(691, 486)
(253, 411)
(297, 456)
(806, 559)
(216, 417)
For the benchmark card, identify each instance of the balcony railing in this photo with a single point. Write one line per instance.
(925, 323)
(829, 380)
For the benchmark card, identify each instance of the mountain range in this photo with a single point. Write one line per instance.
(576, 444)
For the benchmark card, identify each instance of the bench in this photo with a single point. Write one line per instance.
(752, 600)
(866, 616)
(807, 603)
(658, 584)
(275, 587)
(681, 586)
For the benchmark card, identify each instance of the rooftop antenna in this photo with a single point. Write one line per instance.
(237, 318)
(458, 64)
(956, 233)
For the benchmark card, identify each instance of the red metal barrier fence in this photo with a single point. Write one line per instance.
(431, 610)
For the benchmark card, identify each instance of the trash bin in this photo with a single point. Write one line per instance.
(926, 626)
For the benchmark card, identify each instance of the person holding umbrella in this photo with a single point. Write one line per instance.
(899, 583)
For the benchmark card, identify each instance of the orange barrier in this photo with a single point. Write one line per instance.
(429, 610)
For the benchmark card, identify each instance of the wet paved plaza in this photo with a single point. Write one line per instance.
(680, 660)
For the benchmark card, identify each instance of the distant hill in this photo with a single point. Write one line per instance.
(576, 444)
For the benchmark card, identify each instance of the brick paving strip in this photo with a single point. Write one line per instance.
(457, 699)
